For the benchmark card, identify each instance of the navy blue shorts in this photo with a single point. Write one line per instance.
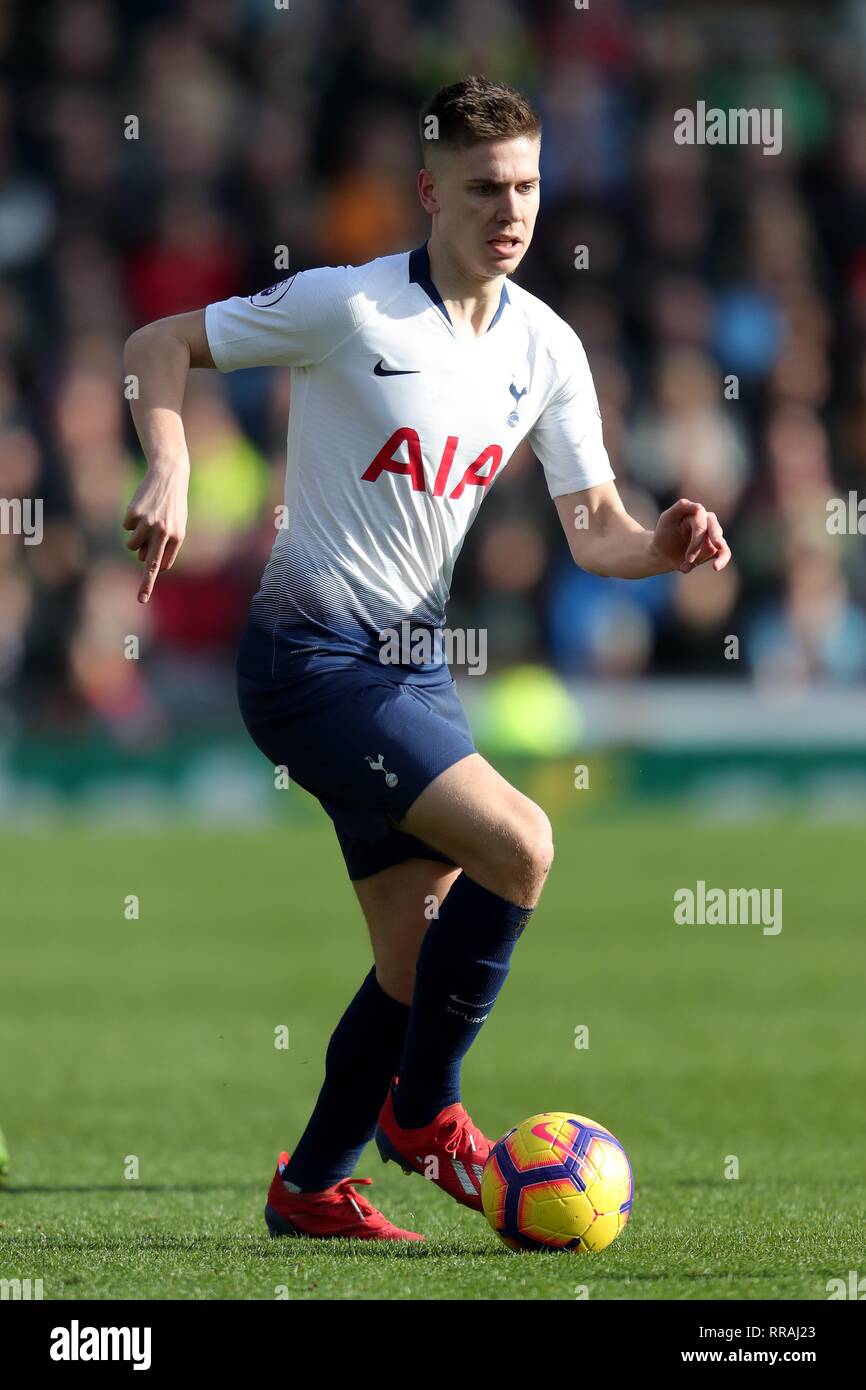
(365, 739)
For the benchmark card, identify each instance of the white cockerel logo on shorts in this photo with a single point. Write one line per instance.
(391, 778)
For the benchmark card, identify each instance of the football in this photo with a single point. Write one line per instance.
(557, 1182)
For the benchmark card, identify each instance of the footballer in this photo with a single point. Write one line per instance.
(413, 380)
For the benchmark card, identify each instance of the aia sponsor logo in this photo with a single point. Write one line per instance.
(480, 472)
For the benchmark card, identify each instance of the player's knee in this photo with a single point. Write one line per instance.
(535, 841)
(524, 854)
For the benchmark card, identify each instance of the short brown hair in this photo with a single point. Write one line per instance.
(473, 110)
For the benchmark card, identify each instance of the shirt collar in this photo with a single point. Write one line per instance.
(419, 274)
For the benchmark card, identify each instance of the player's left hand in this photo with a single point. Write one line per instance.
(687, 535)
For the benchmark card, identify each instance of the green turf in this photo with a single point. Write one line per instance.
(155, 1039)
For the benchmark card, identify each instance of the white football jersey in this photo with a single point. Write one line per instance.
(397, 428)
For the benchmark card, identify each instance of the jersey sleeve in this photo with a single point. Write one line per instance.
(295, 323)
(567, 436)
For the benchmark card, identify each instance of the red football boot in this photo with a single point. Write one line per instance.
(450, 1151)
(336, 1212)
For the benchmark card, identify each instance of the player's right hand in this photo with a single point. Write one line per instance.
(156, 516)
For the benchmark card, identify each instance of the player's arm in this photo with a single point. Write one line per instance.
(295, 323)
(605, 540)
(159, 357)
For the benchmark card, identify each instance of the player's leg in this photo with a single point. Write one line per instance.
(398, 905)
(368, 746)
(365, 1048)
(503, 843)
(312, 1192)
(318, 727)
(500, 838)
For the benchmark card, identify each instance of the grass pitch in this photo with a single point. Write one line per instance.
(150, 1042)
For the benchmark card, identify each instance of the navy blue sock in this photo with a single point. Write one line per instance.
(462, 966)
(362, 1057)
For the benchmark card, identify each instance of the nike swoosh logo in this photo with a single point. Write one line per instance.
(380, 370)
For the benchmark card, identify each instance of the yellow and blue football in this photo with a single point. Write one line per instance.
(557, 1182)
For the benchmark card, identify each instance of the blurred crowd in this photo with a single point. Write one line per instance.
(154, 157)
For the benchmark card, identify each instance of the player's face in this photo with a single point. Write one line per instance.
(486, 200)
